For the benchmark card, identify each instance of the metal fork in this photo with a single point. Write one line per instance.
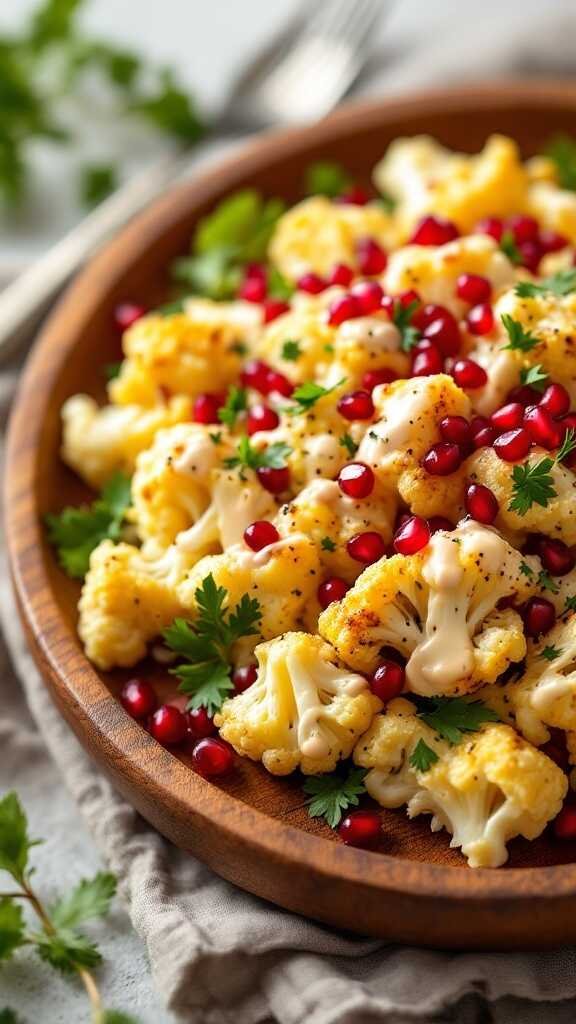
(299, 77)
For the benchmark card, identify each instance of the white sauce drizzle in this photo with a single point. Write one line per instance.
(549, 690)
(370, 332)
(198, 457)
(256, 559)
(324, 455)
(393, 432)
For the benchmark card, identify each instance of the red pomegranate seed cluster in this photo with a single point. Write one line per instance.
(254, 288)
(531, 241)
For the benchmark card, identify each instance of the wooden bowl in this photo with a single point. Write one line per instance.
(253, 829)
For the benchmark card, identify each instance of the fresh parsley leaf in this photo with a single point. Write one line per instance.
(561, 283)
(570, 604)
(550, 653)
(535, 376)
(236, 402)
(11, 928)
(248, 457)
(327, 544)
(508, 246)
(451, 717)
(291, 350)
(91, 898)
(97, 181)
(75, 532)
(525, 569)
(346, 442)
(14, 840)
(532, 485)
(561, 149)
(206, 644)
(111, 370)
(547, 582)
(330, 795)
(402, 318)
(326, 178)
(216, 437)
(518, 338)
(307, 394)
(568, 445)
(423, 757)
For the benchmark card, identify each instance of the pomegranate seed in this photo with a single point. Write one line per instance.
(481, 503)
(346, 307)
(484, 438)
(244, 677)
(412, 536)
(530, 254)
(277, 382)
(555, 400)
(525, 395)
(366, 547)
(261, 417)
(354, 196)
(127, 313)
(445, 334)
(388, 681)
(253, 289)
(138, 698)
(442, 459)
(356, 480)
(491, 226)
(260, 534)
(341, 274)
(168, 725)
(508, 417)
(523, 228)
(477, 424)
(542, 428)
(408, 297)
(254, 375)
(513, 445)
(480, 319)
(368, 294)
(455, 429)
(469, 374)
(433, 230)
(275, 481)
(551, 241)
(311, 283)
(358, 405)
(371, 257)
(426, 362)
(473, 288)
(372, 378)
(539, 616)
(200, 724)
(556, 556)
(427, 314)
(332, 590)
(436, 523)
(205, 408)
(565, 823)
(360, 828)
(273, 308)
(211, 757)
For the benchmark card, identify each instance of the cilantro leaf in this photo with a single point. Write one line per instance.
(402, 318)
(236, 402)
(526, 569)
(14, 840)
(75, 532)
(570, 604)
(206, 644)
(330, 795)
(561, 283)
(561, 149)
(535, 376)
(550, 653)
(423, 757)
(326, 178)
(327, 544)
(97, 181)
(508, 246)
(11, 928)
(532, 485)
(518, 338)
(307, 394)
(451, 717)
(91, 898)
(291, 350)
(547, 582)
(248, 457)
(346, 442)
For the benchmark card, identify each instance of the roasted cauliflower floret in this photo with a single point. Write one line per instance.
(438, 608)
(363, 344)
(485, 791)
(556, 519)
(126, 601)
(245, 318)
(433, 271)
(554, 208)
(175, 355)
(317, 233)
(305, 325)
(97, 442)
(304, 710)
(424, 178)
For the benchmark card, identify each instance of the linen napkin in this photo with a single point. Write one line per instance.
(218, 955)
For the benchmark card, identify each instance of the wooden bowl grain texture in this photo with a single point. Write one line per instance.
(253, 829)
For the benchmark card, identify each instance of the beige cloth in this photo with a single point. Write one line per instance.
(218, 955)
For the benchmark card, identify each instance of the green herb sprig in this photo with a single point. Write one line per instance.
(75, 532)
(518, 339)
(561, 283)
(452, 717)
(248, 457)
(423, 758)
(534, 484)
(306, 395)
(331, 795)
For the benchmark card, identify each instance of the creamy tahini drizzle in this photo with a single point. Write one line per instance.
(370, 332)
(198, 457)
(323, 455)
(394, 431)
(255, 559)
(549, 690)
(446, 654)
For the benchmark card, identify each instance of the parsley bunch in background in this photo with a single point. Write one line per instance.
(51, 58)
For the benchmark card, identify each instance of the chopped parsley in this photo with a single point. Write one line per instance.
(236, 402)
(451, 717)
(216, 437)
(534, 485)
(423, 757)
(330, 795)
(346, 442)
(518, 338)
(535, 376)
(402, 319)
(327, 544)
(561, 283)
(550, 653)
(248, 457)
(307, 394)
(291, 350)
(206, 644)
(525, 569)
(75, 532)
(570, 604)
(547, 582)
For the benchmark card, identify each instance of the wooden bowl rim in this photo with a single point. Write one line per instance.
(175, 785)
